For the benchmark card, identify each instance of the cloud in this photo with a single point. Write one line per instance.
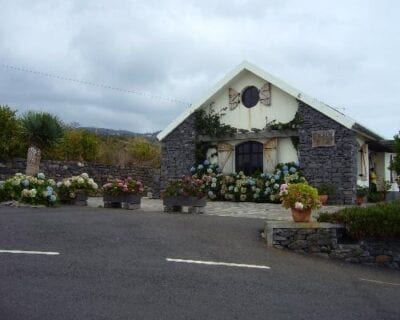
(344, 54)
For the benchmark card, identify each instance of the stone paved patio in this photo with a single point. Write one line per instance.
(266, 211)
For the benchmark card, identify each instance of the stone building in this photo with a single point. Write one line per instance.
(277, 123)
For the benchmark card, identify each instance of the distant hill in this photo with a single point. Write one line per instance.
(121, 133)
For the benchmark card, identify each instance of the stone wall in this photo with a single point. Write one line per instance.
(336, 165)
(99, 172)
(324, 240)
(178, 151)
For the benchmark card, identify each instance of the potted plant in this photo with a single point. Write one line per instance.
(301, 198)
(360, 194)
(324, 191)
(123, 192)
(75, 190)
(185, 192)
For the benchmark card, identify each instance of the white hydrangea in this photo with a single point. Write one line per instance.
(299, 206)
(85, 175)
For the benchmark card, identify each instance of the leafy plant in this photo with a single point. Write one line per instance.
(123, 186)
(377, 221)
(10, 133)
(68, 187)
(29, 189)
(186, 186)
(361, 191)
(326, 189)
(209, 123)
(301, 196)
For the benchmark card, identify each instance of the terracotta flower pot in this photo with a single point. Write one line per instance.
(323, 198)
(301, 215)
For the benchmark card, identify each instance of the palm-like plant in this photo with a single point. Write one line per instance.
(41, 130)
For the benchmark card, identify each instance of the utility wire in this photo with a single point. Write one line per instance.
(93, 84)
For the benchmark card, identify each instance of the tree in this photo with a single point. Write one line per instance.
(10, 131)
(396, 161)
(42, 131)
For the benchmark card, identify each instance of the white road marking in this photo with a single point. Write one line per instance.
(380, 282)
(48, 253)
(212, 263)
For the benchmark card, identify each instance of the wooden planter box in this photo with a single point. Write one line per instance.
(127, 201)
(79, 200)
(175, 204)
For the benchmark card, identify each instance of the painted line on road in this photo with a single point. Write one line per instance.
(48, 253)
(213, 263)
(379, 282)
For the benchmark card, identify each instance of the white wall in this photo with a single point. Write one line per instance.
(283, 106)
(286, 151)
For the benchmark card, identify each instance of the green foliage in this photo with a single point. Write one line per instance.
(326, 189)
(262, 187)
(362, 191)
(375, 197)
(396, 161)
(28, 189)
(186, 186)
(41, 129)
(291, 125)
(209, 124)
(300, 196)
(11, 144)
(80, 145)
(378, 221)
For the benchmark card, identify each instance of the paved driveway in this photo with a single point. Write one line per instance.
(112, 265)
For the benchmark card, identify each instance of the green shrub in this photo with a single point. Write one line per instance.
(11, 144)
(378, 221)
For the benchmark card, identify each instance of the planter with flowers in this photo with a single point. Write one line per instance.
(75, 190)
(125, 193)
(34, 190)
(185, 192)
(361, 193)
(301, 198)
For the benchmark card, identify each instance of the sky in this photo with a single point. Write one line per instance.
(168, 54)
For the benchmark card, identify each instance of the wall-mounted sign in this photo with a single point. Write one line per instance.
(323, 138)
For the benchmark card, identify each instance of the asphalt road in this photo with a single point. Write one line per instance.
(112, 265)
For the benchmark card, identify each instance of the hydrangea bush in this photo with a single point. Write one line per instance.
(29, 189)
(187, 186)
(68, 187)
(118, 187)
(264, 187)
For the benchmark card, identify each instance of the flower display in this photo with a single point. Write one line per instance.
(264, 187)
(29, 189)
(187, 186)
(300, 196)
(123, 186)
(82, 183)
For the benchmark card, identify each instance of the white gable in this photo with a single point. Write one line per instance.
(283, 105)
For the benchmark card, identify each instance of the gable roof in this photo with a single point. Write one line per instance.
(325, 109)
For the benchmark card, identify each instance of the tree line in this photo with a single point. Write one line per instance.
(41, 135)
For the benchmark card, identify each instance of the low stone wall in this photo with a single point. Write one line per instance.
(101, 173)
(324, 240)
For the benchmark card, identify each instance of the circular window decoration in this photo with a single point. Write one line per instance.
(250, 96)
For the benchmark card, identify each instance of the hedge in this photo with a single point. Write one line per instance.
(378, 221)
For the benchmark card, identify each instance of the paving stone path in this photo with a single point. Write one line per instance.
(266, 211)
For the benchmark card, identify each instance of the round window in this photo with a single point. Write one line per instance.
(250, 96)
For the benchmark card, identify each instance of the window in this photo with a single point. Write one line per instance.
(249, 157)
(250, 96)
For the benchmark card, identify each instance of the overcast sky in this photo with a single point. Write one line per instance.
(345, 53)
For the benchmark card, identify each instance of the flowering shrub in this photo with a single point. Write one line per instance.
(186, 186)
(264, 187)
(123, 186)
(69, 186)
(29, 189)
(300, 196)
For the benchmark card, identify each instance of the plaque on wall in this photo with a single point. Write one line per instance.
(323, 138)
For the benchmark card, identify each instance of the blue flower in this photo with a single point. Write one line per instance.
(277, 176)
(285, 168)
(285, 172)
(292, 169)
(206, 162)
(53, 198)
(267, 190)
(25, 182)
(192, 169)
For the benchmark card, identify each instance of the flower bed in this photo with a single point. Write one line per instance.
(263, 187)
(123, 192)
(28, 189)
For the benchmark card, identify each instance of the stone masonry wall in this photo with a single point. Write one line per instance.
(336, 165)
(178, 151)
(324, 240)
(99, 172)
